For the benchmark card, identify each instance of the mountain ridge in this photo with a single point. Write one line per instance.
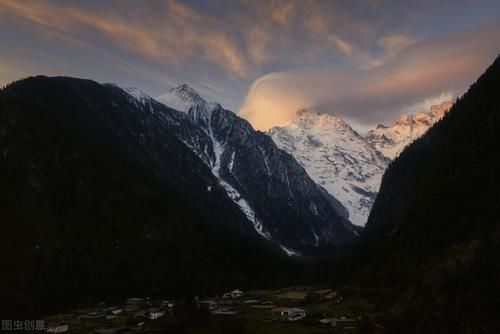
(391, 140)
(257, 175)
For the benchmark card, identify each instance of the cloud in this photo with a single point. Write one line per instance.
(10, 71)
(248, 36)
(394, 42)
(282, 13)
(391, 44)
(221, 43)
(420, 71)
(173, 33)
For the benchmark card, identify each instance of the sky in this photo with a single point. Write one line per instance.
(367, 61)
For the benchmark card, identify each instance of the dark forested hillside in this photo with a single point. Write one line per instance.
(98, 200)
(434, 230)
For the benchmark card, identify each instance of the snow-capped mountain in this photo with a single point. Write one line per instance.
(274, 192)
(391, 140)
(336, 157)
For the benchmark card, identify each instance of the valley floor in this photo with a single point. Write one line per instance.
(252, 312)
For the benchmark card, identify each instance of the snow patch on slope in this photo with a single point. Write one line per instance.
(233, 194)
(289, 252)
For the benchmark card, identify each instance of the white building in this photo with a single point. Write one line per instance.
(288, 313)
(233, 294)
(155, 314)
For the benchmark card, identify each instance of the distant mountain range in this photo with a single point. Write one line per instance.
(348, 165)
(391, 140)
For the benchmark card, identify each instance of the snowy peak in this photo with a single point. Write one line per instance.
(329, 130)
(347, 165)
(391, 140)
(187, 94)
(439, 110)
(184, 98)
(425, 118)
(310, 118)
(404, 120)
(336, 157)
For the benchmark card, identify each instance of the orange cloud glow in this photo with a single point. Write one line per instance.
(418, 72)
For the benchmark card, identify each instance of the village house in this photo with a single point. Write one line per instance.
(167, 303)
(325, 321)
(287, 314)
(233, 294)
(236, 293)
(155, 313)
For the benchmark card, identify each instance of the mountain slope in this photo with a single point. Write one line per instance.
(98, 198)
(270, 187)
(391, 140)
(336, 157)
(434, 229)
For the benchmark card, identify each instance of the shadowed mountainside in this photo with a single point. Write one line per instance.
(98, 199)
(434, 231)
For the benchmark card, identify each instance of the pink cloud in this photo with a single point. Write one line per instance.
(370, 95)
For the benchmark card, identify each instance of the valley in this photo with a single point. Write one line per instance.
(326, 311)
(124, 213)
